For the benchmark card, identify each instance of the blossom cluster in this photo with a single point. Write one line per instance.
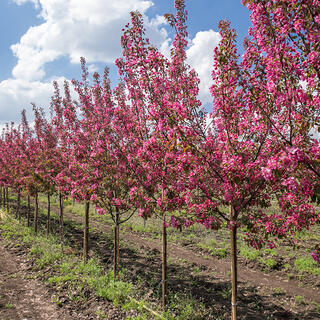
(148, 146)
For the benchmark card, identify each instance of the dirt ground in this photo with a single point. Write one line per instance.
(205, 278)
(22, 297)
(257, 297)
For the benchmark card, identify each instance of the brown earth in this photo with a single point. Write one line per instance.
(217, 266)
(22, 297)
(255, 287)
(205, 278)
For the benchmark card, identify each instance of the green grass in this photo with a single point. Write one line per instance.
(70, 270)
(268, 263)
(317, 306)
(278, 292)
(216, 243)
(211, 245)
(249, 253)
(299, 300)
(307, 265)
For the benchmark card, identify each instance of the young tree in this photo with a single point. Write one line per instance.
(161, 100)
(102, 123)
(281, 64)
(65, 123)
(47, 157)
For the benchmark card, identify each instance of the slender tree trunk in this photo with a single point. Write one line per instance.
(4, 198)
(29, 211)
(7, 197)
(118, 242)
(116, 246)
(234, 271)
(18, 213)
(48, 215)
(36, 213)
(61, 217)
(1, 196)
(115, 251)
(164, 263)
(86, 232)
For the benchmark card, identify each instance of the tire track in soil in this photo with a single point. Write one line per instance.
(22, 298)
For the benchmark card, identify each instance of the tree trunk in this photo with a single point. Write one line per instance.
(18, 213)
(28, 212)
(7, 197)
(116, 246)
(86, 232)
(48, 215)
(1, 196)
(36, 212)
(164, 263)
(118, 243)
(61, 217)
(4, 198)
(234, 271)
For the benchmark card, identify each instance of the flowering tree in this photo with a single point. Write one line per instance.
(161, 101)
(260, 133)
(47, 156)
(281, 62)
(102, 122)
(24, 156)
(8, 162)
(72, 121)
(147, 145)
(64, 123)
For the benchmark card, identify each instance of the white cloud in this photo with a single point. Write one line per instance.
(200, 57)
(18, 94)
(74, 28)
(20, 2)
(92, 29)
(92, 68)
(71, 28)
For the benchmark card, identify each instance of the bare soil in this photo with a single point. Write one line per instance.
(262, 295)
(21, 296)
(206, 277)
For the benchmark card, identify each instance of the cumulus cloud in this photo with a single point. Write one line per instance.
(200, 57)
(70, 28)
(20, 2)
(78, 28)
(92, 29)
(18, 94)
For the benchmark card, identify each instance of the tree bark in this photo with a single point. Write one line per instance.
(164, 263)
(86, 232)
(36, 212)
(4, 198)
(61, 217)
(48, 215)
(7, 197)
(116, 246)
(18, 213)
(28, 212)
(234, 269)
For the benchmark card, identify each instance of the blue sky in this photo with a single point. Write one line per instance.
(42, 41)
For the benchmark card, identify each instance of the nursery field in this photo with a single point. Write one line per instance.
(42, 279)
